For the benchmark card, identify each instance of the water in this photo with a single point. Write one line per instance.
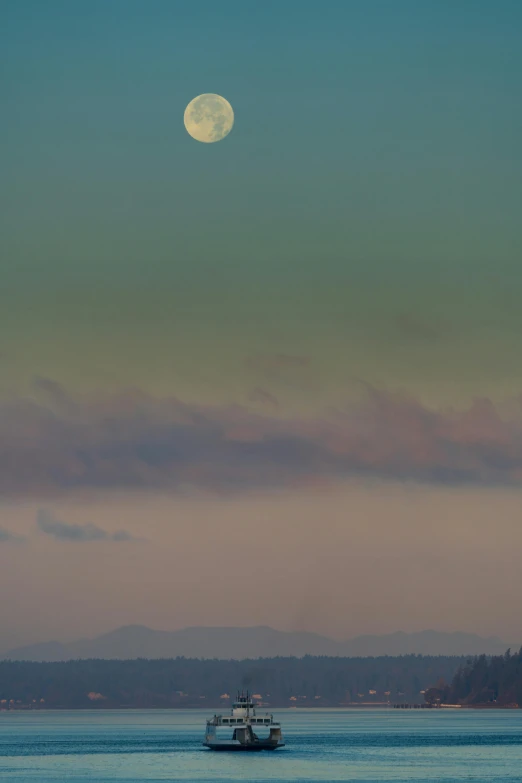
(322, 745)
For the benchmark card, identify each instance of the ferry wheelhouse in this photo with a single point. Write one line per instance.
(243, 724)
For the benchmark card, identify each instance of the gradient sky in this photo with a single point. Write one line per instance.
(313, 325)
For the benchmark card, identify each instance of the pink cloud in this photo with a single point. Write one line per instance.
(133, 440)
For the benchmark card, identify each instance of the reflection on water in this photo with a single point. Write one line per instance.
(328, 745)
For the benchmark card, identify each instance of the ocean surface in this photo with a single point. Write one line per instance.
(358, 744)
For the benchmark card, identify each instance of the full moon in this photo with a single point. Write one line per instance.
(209, 118)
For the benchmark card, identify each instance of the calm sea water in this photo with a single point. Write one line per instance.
(364, 744)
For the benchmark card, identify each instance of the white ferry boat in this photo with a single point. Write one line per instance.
(244, 723)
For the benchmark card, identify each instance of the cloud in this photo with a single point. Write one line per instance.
(7, 537)
(263, 397)
(134, 441)
(53, 394)
(63, 531)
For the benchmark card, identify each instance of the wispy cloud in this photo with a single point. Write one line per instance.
(64, 531)
(52, 394)
(263, 397)
(7, 537)
(133, 440)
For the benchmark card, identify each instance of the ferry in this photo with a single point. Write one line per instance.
(244, 723)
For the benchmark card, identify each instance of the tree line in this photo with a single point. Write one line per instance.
(180, 682)
(483, 680)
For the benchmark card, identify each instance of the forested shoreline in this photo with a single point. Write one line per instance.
(182, 683)
(311, 681)
(483, 681)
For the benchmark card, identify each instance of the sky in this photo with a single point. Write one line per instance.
(309, 329)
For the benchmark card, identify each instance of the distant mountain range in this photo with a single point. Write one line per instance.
(137, 641)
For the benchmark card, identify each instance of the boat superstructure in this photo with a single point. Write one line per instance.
(244, 723)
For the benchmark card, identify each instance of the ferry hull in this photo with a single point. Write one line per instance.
(234, 746)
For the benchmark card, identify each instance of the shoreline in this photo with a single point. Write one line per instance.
(340, 707)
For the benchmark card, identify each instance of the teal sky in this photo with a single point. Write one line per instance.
(326, 292)
(373, 173)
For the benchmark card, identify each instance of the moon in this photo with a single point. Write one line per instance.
(209, 118)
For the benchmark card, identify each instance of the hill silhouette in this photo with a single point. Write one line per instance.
(137, 641)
